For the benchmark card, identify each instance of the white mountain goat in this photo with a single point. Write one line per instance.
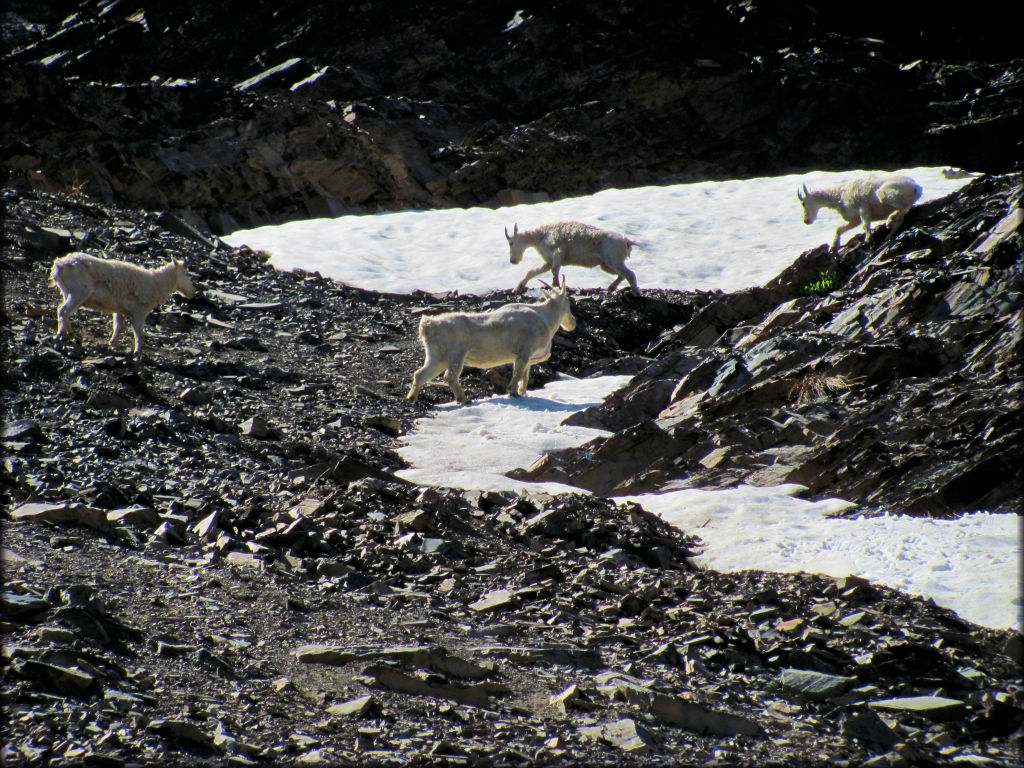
(863, 200)
(571, 243)
(115, 287)
(520, 334)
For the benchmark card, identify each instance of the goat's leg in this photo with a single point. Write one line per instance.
(846, 227)
(612, 271)
(895, 221)
(455, 364)
(64, 315)
(520, 374)
(625, 272)
(556, 266)
(532, 274)
(865, 220)
(432, 368)
(138, 327)
(116, 328)
(524, 379)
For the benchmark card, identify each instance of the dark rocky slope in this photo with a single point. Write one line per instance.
(240, 113)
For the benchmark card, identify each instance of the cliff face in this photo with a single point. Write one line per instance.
(238, 114)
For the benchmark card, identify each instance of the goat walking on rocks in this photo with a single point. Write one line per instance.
(115, 287)
(863, 200)
(520, 334)
(571, 243)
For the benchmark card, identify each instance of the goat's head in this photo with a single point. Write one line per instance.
(560, 296)
(516, 246)
(810, 203)
(183, 284)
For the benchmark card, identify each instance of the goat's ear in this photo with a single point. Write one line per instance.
(799, 195)
(515, 229)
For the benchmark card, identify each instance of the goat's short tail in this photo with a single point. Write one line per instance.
(426, 329)
(53, 274)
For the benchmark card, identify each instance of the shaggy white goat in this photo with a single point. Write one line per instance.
(863, 200)
(116, 287)
(571, 243)
(520, 334)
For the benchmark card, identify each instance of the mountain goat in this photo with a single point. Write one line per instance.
(520, 334)
(572, 243)
(115, 287)
(863, 200)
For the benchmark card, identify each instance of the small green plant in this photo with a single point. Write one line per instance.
(827, 282)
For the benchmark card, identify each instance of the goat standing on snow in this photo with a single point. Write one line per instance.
(573, 244)
(520, 334)
(116, 287)
(863, 200)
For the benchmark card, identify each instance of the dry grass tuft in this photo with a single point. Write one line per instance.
(817, 384)
(77, 187)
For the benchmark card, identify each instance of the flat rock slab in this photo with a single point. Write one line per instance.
(695, 717)
(933, 707)
(227, 298)
(66, 512)
(63, 679)
(355, 707)
(547, 654)
(260, 306)
(137, 515)
(477, 695)
(23, 429)
(815, 685)
(869, 726)
(181, 730)
(434, 658)
(23, 606)
(496, 600)
(626, 734)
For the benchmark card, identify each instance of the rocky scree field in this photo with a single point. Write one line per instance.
(208, 558)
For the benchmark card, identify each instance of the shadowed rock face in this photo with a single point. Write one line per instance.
(238, 114)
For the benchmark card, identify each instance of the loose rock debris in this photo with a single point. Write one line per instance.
(186, 583)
